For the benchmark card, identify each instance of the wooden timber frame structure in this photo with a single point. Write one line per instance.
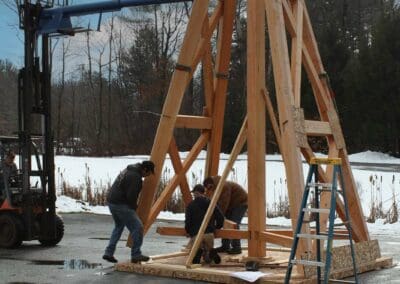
(286, 23)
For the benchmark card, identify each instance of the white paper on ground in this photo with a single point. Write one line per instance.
(249, 276)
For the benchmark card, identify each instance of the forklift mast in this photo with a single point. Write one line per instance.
(34, 105)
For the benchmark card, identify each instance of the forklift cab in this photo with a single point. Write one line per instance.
(10, 177)
(24, 213)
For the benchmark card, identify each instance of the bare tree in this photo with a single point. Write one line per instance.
(109, 89)
(64, 55)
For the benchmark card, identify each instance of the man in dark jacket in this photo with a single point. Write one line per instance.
(8, 173)
(194, 215)
(233, 203)
(8, 166)
(122, 201)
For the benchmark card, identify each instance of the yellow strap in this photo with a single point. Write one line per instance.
(326, 161)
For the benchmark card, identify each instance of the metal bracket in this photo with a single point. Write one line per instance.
(182, 67)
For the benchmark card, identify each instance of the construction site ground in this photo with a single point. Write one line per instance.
(77, 259)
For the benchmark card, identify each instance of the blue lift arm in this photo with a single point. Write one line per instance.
(58, 20)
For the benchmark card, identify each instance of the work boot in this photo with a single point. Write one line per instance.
(139, 258)
(207, 257)
(197, 257)
(214, 256)
(235, 250)
(221, 249)
(110, 258)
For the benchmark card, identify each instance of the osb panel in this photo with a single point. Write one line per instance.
(341, 258)
(299, 126)
(365, 252)
(375, 250)
(336, 128)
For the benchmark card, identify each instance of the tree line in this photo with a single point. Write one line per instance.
(109, 101)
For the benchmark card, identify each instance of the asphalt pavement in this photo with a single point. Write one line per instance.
(78, 257)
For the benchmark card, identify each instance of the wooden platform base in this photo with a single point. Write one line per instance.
(274, 265)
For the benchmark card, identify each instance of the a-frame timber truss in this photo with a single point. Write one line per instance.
(287, 24)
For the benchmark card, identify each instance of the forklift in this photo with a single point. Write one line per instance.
(26, 212)
(27, 199)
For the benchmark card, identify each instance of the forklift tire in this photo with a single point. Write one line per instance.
(59, 233)
(11, 231)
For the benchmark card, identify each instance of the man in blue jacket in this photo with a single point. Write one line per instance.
(194, 215)
(122, 201)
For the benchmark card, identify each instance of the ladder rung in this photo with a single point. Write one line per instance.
(330, 190)
(318, 184)
(341, 224)
(325, 161)
(335, 235)
(317, 210)
(312, 236)
(340, 235)
(308, 262)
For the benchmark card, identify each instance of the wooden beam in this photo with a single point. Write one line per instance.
(315, 80)
(221, 233)
(208, 80)
(272, 118)
(317, 128)
(170, 188)
(237, 147)
(221, 83)
(177, 164)
(193, 122)
(277, 239)
(289, 19)
(169, 255)
(206, 35)
(359, 226)
(256, 125)
(297, 48)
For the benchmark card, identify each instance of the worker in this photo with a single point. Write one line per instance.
(233, 203)
(194, 215)
(8, 166)
(122, 201)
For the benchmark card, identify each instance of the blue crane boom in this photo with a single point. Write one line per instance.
(58, 20)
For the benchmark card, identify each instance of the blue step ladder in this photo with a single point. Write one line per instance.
(318, 188)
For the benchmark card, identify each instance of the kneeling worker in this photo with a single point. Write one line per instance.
(233, 204)
(194, 215)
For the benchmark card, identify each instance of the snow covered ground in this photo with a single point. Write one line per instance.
(373, 185)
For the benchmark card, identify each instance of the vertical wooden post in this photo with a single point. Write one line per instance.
(221, 84)
(297, 48)
(256, 125)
